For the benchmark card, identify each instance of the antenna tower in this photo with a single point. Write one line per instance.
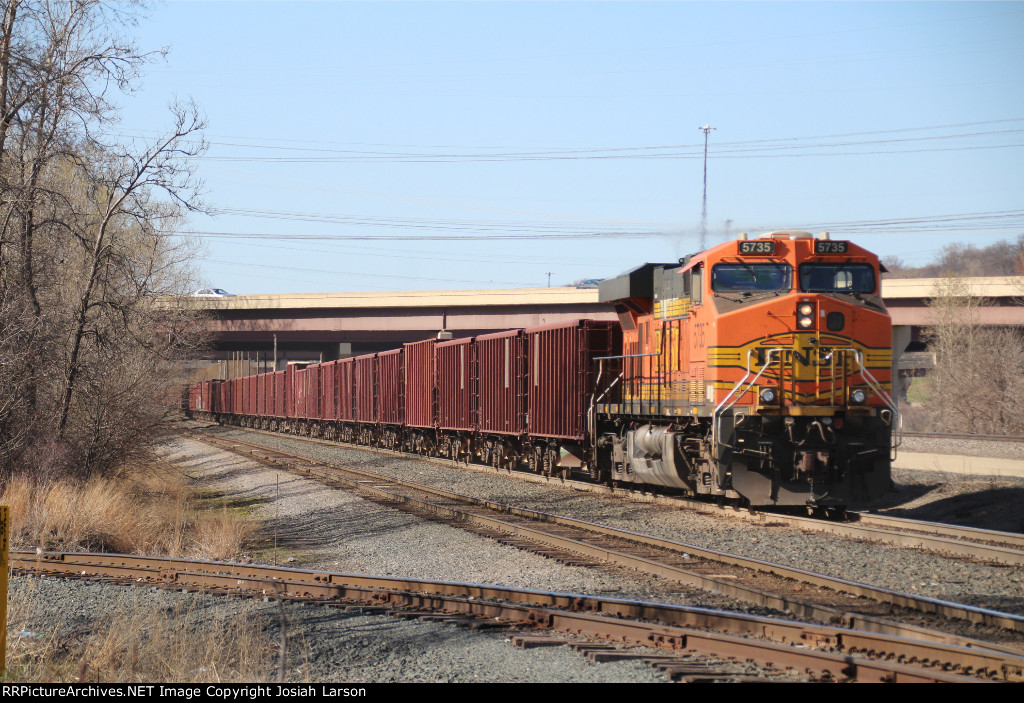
(704, 202)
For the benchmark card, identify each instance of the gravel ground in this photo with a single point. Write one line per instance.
(989, 502)
(962, 447)
(993, 586)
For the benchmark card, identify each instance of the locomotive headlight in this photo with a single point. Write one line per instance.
(805, 316)
(768, 396)
(858, 395)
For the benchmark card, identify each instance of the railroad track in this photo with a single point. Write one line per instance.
(940, 538)
(773, 586)
(822, 652)
(948, 540)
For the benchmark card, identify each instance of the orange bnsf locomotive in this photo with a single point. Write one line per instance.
(759, 369)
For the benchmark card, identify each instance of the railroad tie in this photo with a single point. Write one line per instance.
(531, 641)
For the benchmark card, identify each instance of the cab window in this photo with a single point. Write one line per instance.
(837, 278)
(746, 277)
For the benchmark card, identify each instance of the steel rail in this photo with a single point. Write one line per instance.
(940, 538)
(1017, 439)
(863, 656)
(801, 607)
(939, 528)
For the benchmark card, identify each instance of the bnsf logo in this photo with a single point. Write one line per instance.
(807, 356)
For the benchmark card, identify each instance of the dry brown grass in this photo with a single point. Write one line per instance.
(150, 509)
(221, 534)
(99, 515)
(144, 643)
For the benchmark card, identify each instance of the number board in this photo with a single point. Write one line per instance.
(823, 246)
(757, 247)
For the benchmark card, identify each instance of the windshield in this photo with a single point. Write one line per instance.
(744, 277)
(837, 278)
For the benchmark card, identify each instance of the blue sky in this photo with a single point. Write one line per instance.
(351, 142)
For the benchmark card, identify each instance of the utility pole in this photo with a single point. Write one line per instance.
(704, 203)
(549, 278)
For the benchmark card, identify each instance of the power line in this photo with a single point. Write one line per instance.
(413, 237)
(376, 252)
(992, 220)
(363, 274)
(329, 153)
(1005, 220)
(416, 223)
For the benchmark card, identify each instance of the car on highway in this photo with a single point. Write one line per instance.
(212, 293)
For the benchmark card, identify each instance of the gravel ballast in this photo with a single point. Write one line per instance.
(314, 527)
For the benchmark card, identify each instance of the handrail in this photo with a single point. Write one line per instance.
(721, 407)
(896, 437)
(595, 399)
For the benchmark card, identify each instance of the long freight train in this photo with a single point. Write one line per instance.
(759, 370)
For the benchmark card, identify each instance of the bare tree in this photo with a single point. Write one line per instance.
(976, 386)
(1000, 259)
(127, 186)
(84, 249)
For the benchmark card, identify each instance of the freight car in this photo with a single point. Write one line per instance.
(759, 370)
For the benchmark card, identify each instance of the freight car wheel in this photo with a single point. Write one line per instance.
(549, 462)
(536, 460)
